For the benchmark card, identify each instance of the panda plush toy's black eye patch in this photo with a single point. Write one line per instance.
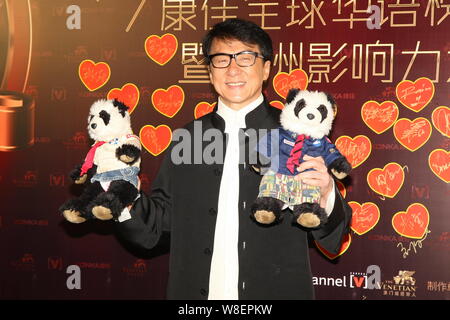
(105, 116)
(299, 106)
(323, 111)
(121, 106)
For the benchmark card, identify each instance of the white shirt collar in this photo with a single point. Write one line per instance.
(236, 118)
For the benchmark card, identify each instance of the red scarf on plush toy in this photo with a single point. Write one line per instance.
(89, 160)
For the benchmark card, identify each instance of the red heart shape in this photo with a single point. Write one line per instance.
(277, 104)
(356, 149)
(94, 75)
(168, 102)
(155, 140)
(128, 94)
(203, 108)
(439, 162)
(364, 217)
(161, 49)
(345, 245)
(441, 120)
(412, 134)
(386, 181)
(379, 117)
(283, 82)
(413, 222)
(415, 95)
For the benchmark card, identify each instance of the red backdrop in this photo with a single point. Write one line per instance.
(394, 129)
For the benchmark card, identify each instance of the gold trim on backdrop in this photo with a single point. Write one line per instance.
(30, 47)
(8, 49)
(135, 16)
(19, 39)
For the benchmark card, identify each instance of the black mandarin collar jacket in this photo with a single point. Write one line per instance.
(273, 260)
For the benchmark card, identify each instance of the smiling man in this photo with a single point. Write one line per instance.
(237, 71)
(216, 250)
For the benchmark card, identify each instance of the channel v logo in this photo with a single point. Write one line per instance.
(57, 180)
(54, 263)
(109, 54)
(59, 94)
(371, 279)
(358, 281)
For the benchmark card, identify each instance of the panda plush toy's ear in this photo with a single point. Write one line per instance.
(292, 94)
(121, 106)
(332, 102)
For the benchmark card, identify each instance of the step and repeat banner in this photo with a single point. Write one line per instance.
(386, 62)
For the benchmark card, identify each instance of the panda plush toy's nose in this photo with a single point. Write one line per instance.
(310, 116)
(94, 125)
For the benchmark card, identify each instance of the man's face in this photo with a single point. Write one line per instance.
(238, 86)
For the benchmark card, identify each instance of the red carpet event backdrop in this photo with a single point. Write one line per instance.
(387, 63)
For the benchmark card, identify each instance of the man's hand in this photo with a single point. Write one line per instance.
(319, 177)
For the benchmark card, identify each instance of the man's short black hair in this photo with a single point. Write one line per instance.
(242, 30)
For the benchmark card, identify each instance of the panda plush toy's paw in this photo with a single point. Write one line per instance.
(340, 168)
(266, 210)
(73, 216)
(264, 216)
(310, 215)
(128, 153)
(338, 175)
(76, 176)
(126, 159)
(102, 213)
(71, 210)
(81, 179)
(308, 220)
(104, 206)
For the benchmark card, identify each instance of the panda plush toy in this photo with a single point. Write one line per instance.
(112, 164)
(306, 120)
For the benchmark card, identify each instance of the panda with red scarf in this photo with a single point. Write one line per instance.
(306, 120)
(112, 164)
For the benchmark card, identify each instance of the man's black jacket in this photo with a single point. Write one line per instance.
(273, 260)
